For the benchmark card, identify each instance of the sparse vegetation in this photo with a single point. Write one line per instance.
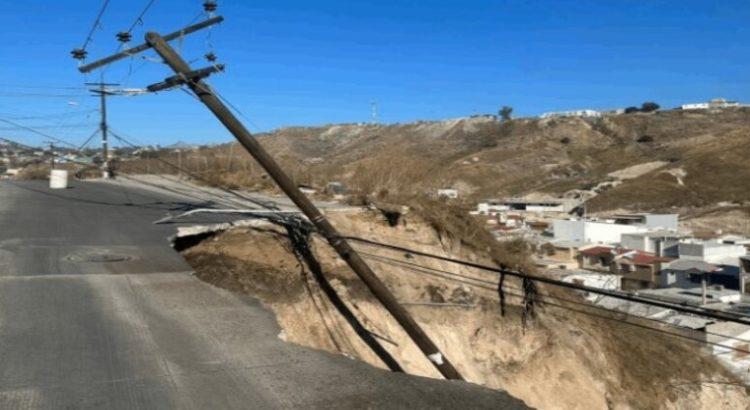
(649, 106)
(378, 163)
(506, 112)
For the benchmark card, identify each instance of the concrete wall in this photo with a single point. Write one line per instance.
(567, 230)
(657, 245)
(545, 208)
(662, 221)
(590, 231)
(711, 253)
(598, 232)
(635, 241)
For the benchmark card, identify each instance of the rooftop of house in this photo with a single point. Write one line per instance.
(633, 257)
(570, 244)
(597, 251)
(697, 266)
(693, 296)
(638, 215)
(684, 265)
(662, 233)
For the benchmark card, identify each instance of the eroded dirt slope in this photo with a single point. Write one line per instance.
(560, 359)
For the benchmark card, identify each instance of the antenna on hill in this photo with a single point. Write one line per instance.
(374, 107)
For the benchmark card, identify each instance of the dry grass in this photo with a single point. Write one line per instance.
(34, 172)
(485, 158)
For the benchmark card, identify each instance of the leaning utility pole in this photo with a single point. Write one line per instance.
(103, 93)
(193, 78)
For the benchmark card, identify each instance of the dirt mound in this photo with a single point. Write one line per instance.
(559, 359)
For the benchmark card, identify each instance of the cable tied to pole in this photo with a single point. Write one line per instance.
(530, 300)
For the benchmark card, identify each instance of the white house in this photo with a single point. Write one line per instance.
(712, 252)
(592, 231)
(652, 221)
(611, 230)
(716, 103)
(660, 243)
(573, 113)
(496, 206)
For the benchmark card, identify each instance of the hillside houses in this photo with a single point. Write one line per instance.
(716, 103)
(539, 205)
(647, 252)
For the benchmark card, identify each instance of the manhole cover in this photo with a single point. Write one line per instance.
(99, 258)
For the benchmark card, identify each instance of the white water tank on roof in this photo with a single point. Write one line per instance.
(58, 179)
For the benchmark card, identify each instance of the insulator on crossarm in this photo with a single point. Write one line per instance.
(124, 37)
(211, 57)
(210, 6)
(79, 53)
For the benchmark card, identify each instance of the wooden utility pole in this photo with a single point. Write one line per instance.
(52, 155)
(103, 93)
(208, 97)
(193, 79)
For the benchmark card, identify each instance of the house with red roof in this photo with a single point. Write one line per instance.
(639, 269)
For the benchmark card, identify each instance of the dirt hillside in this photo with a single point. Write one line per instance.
(689, 160)
(559, 359)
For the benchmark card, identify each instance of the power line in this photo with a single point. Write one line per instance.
(35, 95)
(139, 19)
(490, 286)
(262, 204)
(715, 314)
(42, 117)
(95, 25)
(493, 286)
(45, 135)
(41, 87)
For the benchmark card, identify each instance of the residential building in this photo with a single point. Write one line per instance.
(572, 113)
(652, 221)
(597, 257)
(496, 206)
(661, 242)
(639, 270)
(561, 254)
(610, 231)
(715, 295)
(685, 273)
(712, 252)
(716, 103)
(593, 231)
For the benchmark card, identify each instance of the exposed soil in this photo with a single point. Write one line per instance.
(561, 359)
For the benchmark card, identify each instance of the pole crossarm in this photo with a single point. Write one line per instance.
(180, 79)
(145, 46)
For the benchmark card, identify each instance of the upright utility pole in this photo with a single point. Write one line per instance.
(52, 155)
(103, 93)
(208, 97)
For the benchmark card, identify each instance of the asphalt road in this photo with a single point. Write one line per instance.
(98, 311)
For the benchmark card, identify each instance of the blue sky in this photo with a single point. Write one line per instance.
(305, 63)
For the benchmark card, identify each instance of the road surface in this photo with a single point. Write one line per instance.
(98, 311)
